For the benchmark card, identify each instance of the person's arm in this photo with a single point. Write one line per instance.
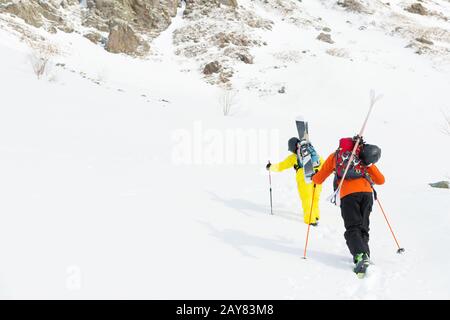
(285, 164)
(325, 171)
(375, 174)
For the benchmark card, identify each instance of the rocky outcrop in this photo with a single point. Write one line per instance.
(141, 20)
(23, 10)
(417, 8)
(147, 16)
(222, 32)
(245, 57)
(424, 41)
(212, 67)
(353, 5)
(325, 37)
(122, 39)
(94, 37)
(231, 3)
(441, 184)
(39, 14)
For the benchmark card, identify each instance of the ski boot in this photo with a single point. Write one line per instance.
(362, 261)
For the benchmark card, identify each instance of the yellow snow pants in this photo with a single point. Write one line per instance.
(305, 190)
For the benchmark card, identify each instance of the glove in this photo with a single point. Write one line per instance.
(268, 166)
(361, 139)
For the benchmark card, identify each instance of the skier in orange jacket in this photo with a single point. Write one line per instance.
(355, 194)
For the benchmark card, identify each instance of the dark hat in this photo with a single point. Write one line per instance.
(293, 144)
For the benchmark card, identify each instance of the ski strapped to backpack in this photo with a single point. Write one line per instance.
(306, 150)
(307, 157)
(335, 196)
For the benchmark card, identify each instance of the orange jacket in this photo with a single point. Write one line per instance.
(349, 186)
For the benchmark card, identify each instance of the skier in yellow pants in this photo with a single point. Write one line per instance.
(305, 190)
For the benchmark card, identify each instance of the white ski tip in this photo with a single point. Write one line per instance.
(374, 97)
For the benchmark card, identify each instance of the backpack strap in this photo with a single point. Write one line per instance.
(299, 160)
(369, 179)
(375, 196)
(335, 180)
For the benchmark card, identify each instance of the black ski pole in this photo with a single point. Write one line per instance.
(270, 185)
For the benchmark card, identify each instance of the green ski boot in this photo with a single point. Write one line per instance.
(362, 261)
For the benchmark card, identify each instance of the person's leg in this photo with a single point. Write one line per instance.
(353, 222)
(305, 193)
(316, 210)
(366, 209)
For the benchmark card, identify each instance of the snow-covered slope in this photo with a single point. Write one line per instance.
(122, 178)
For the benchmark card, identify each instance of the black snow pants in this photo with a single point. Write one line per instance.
(355, 210)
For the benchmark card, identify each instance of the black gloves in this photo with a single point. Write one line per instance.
(361, 139)
(268, 166)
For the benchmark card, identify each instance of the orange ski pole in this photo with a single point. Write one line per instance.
(400, 250)
(309, 222)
